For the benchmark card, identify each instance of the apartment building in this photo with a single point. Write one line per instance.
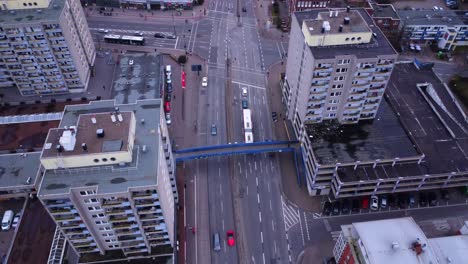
(46, 47)
(305, 5)
(108, 179)
(448, 29)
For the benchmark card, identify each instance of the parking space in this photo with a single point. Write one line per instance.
(6, 237)
(395, 202)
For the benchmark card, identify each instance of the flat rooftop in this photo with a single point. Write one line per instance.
(115, 139)
(32, 15)
(25, 136)
(357, 23)
(443, 153)
(115, 178)
(450, 247)
(377, 238)
(379, 44)
(382, 138)
(15, 169)
(384, 11)
(139, 80)
(430, 17)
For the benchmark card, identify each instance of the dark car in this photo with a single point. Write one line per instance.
(169, 88)
(159, 35)
(403, 201)
(411, 200)
(345, 206)
(327, 206)
(392, 203)
(167, 97)
(423, 199)
(336, 208)
(432, 199)
(452, 4)
(444, 194)
(355, 206)
(245, 104)
(274, 115)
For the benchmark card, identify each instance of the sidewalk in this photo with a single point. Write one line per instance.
(289, 186)
(196, 13)
(264, 19)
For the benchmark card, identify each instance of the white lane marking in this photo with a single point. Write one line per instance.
(222, 223)
(222, 207)
(255, 165)
(271, 207)
(268, 185)
(261, 236)
(256, 180)
(260, 217)
(246, 84)
(258, 198)
(302, 232)
(307, 226)
(220, 191)
(335, 235)
(263, 254)
(274, 244)
(273, 225)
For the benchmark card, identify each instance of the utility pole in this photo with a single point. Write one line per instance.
(238, 14)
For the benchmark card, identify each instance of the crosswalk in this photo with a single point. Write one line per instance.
(290, 215)
(335, 235)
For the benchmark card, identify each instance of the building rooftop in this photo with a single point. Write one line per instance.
(382, 138)
(383, 10)
(392, 241)
(141, 80)
(379, 44)
(115, 139)
(335, 19)
(15, 169)
(34, 15)
(450, 249)
(113, 178)
(430, 17)
(24, 136)
(443, 153)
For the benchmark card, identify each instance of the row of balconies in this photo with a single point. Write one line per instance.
(87, 249)
(119, 211)
(127, 231)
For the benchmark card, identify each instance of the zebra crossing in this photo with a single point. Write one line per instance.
(290, 215)
(335, 235)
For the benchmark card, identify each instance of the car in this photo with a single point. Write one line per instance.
(7, 220)
(336, 207)
(102, 30)
(274, 116)
(392, 203)
(423, 199)
(244, 91)
(245, 104)
(383, 201)
(402, 201)
(138, 33)
(167, 97)
(168, 80)
(444, 194)
(214, 130)
(170, 36)
(204, 82)
(432, 199)
(355, 206)
(230, 238)
(159, 35)
(169, 88)
(374, 203)
(411, 200)
(168, 118)
(365, 203)
(16, 220)
(327, 206)
(345, 206)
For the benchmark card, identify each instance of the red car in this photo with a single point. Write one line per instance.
(365, 203)
(230, 238)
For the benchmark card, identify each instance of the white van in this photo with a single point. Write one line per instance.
(168, 70)
(7, 220)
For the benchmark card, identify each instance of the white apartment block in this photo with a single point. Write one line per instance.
(46, 47)
(448, 29)
(108, 179)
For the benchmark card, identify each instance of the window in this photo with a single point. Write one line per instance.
(111, 240)
(339, 78)
(98, 215)
(113, 246)
(337, 86)
(101, 222)
(105, 228)
(341, 69)
(90, 192)
(332, 108)
(112, 159)
(92, 200)
(96, 160)
(344, 61)
(334, 101)
(94, 208)
(346, 39)
(353, 39)
(104, 159)
(333, 94)
(332, 115)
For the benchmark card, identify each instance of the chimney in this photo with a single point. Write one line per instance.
(84, 147)
(348, 8)
(341, 28)
(347, 20)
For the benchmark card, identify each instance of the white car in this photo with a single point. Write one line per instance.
(204, 82)
(244, 91)
(138, 33)
(374, 205)
(16, 220)
(101, 30)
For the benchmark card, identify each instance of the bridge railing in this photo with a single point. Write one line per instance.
(214, 147)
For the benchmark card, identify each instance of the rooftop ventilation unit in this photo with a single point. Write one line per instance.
(341, 28)
(84, 147)
(100, 132)
(113, 118)
(68, 140)
(347, 20)
(93, 120)
(120, 117)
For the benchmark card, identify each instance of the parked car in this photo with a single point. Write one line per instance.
(403, 201)
(392, 203)
(274, 116)
(138, 33)
(7, 220)
(170, 36)
(169, 87)
(452, 4)
(355, 206)
(422, 199)
(383, 201)
(244, 91)
(244, 9)
(411, 200)
(102, 30)
(16, 220)
(159, 35)
(336, 208)
(365, 203)
(432, 199)
(327, 206)
(230, 238)
(204, 82)
(374, 203)
(345, 206)
(214, 130)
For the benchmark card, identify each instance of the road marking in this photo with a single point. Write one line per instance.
(290, 215)
(260, 217)
(268, 185)
(256, 180)
(335, 235)
(273, 225)
(307, 226)
(261, 236)
(222, 207)
(220, 191)
(222, 223)
(271, 207)
(258, 198)
(263, 254)
(274, 244)
(327, 225)
(250, 85)
(302, 232)
(255, 165)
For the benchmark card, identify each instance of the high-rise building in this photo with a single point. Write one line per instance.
(45, 47)
(338, 67)
(108, 179)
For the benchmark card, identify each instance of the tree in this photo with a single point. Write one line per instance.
(182, 59)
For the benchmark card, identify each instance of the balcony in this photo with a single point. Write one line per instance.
(146, 202)
(320, 84)
(115, 202)
(76, 238)
(132, 244)
(370, 109)
(124, 225)
(355, 106)
(351, 113)
(361, 84)
(119, 211)
(379, 80)
(317, 98)
(76, 231)
(374, 95)
(87, 249)
(315, 105)
(58, 210)
(128, 231)
(119, 219)
(60, 218)
(130, 238)
(134, 250)
(84, 244)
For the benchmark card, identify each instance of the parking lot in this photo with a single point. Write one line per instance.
(6, 237)
(395, 202)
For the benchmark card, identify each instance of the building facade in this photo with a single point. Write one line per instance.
(108, 179)
(45, 47)
(446, 29)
